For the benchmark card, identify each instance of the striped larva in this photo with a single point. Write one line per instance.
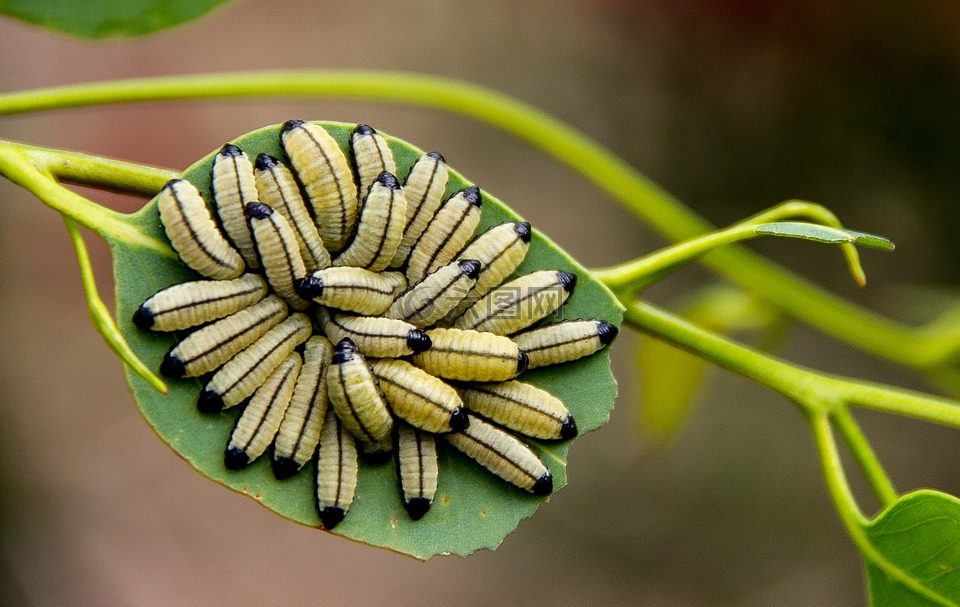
(504, 455)
(418, 398)
(327, 180)
(379, 227)
(278, 189)
(423, 189)
(500, 251)
(234, 187)
(337, 471)
(433, 297)
(516, 305)
(446, 234)
(209, 347)
(355, 396)
(260, 420)
(279, 252)
(521, 407)
(194, 233)
(351, 289)
(371, 156)
(564, 341)
(471, 356)
(418, 469)
(299, 431)
(190, 304)
(245, 372)
(374, 336)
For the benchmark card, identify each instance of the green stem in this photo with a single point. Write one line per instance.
(98, 172)
(918, 405)
(783, 289)
(634, 276)
(17, 164)
(850, 514)
(100, 315)
(867, 460)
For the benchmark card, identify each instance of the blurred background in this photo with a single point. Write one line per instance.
(731, 105)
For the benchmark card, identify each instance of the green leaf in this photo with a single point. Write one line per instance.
(107, 18)
(670, 378)
(473, 509)
(913, 552)
(821, 233)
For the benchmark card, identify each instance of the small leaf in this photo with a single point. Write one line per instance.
(670, 378)
(914, 552)
(820, 233)
(473, 509)
(107, 18)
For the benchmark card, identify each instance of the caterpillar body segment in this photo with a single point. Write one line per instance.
(379, 227)
(521, 407)
(355, 395)
(278, 189)
(418, 398)
(279, 252)
(234, 187)
(194, 234)
(190, 304)
(327, 179)
(337, 471)
(500, 251)
(299, 431)
(433, 297)
(260, 420)
(423, 190)
(467, 355)
(245, 372)
(516, 305)
(375, 336)
(419, 470)
(504, 455)
(351, 289)
(211, 346)
(561, 342)
(446, 234)
(371, 156)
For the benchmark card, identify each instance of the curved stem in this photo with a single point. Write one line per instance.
(783, 289)
(634, 276)
(17, 164)
(867, 460)
(98, 172)
(100, 315)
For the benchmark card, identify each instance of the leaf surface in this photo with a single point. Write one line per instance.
(473, 509)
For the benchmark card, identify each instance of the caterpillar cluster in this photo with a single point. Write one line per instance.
(355, 314)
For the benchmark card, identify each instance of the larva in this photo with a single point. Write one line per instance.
(433, 297)
(418, 398)
(423, 191)
(190, 304)
(446, 234)
(260, 420)
(516, 305)
(471, 356)
(245, 372)
(504, 455)
(326, 177)
(299, 431)
(355, 395)
(278, 189)
(233, 187)
(194, 234)
(379, 228)
(564, 341)
(209, 347)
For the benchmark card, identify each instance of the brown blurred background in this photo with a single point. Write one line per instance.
(732, 105)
